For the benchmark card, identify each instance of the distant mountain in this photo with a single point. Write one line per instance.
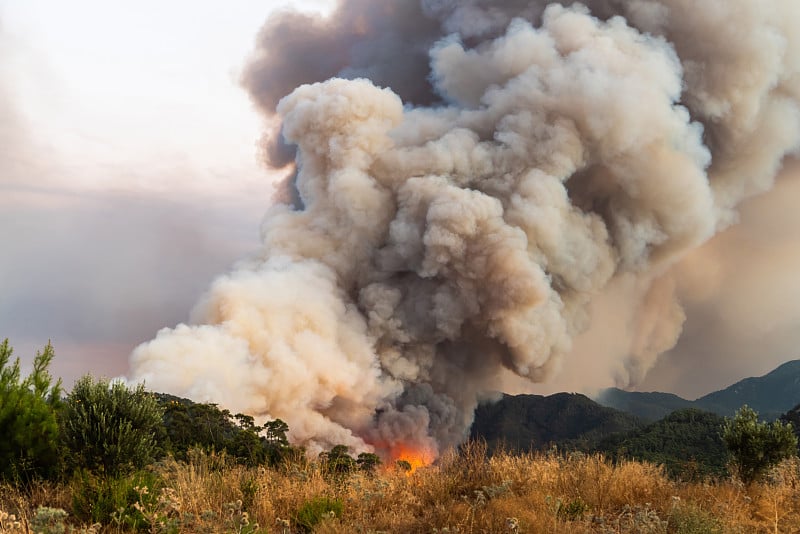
(533, 422)
(770, 395)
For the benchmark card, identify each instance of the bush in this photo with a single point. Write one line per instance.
(368, 461)
(28, 424)
(756, 446)
(48, 520)
(337, 461)
(315, 510)
(693, 520)
(113, 499)
(109, 428)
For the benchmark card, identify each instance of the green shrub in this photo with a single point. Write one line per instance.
(755, 446)
(572, 510)
(693, 520)
(112, 499)
(337, 461)
(109, 428)
(314, 511)
(48, 521)
(28, 423)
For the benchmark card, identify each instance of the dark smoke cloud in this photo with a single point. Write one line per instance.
(491, 192)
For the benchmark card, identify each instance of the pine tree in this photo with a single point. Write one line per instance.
(28, 422)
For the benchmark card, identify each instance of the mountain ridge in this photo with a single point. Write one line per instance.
(771, 395)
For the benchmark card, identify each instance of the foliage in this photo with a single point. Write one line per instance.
(693, 520)
(49, 520)
(189, 425)
(114, 499)
(403, 465)
(793, 417)
(28, 423)
(687, 443)
(368, 461)
(756, 446)
(533, 422)
(109, 428)
(338, 461)
(571, 510)
(315, 510)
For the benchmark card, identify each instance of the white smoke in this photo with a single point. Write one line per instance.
(572, 156)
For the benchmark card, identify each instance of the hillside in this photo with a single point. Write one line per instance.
(687, 442)
(770, 395)
(646, 406)
(532, 422)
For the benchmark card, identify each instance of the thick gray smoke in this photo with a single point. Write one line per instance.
(483, 185)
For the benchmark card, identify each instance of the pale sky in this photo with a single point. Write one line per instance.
(129, 174)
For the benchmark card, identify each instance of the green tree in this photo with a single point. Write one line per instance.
(109, 428)
(793, 417)
(189, 425)
(338, 461)
(368, 461)
(28, 423)
(756, 446)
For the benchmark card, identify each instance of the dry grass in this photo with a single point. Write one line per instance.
(470, 493)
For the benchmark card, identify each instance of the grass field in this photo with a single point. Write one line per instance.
(466, 493)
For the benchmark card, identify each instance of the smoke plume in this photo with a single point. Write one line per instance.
(482, 186)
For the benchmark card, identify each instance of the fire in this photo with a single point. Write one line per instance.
(415, 457)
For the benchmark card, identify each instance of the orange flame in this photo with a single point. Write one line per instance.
(416, 457)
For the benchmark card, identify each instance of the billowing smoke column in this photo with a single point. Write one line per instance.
(549, 160)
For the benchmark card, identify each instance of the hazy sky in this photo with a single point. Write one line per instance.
(128, 168)
(129, 178)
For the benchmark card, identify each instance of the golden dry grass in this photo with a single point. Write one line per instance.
(468, 493)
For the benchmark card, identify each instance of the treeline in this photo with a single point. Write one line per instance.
(108, 428)
(103, 437)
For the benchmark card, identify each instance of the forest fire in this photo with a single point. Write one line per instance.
(469, 211)
(414, 457)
